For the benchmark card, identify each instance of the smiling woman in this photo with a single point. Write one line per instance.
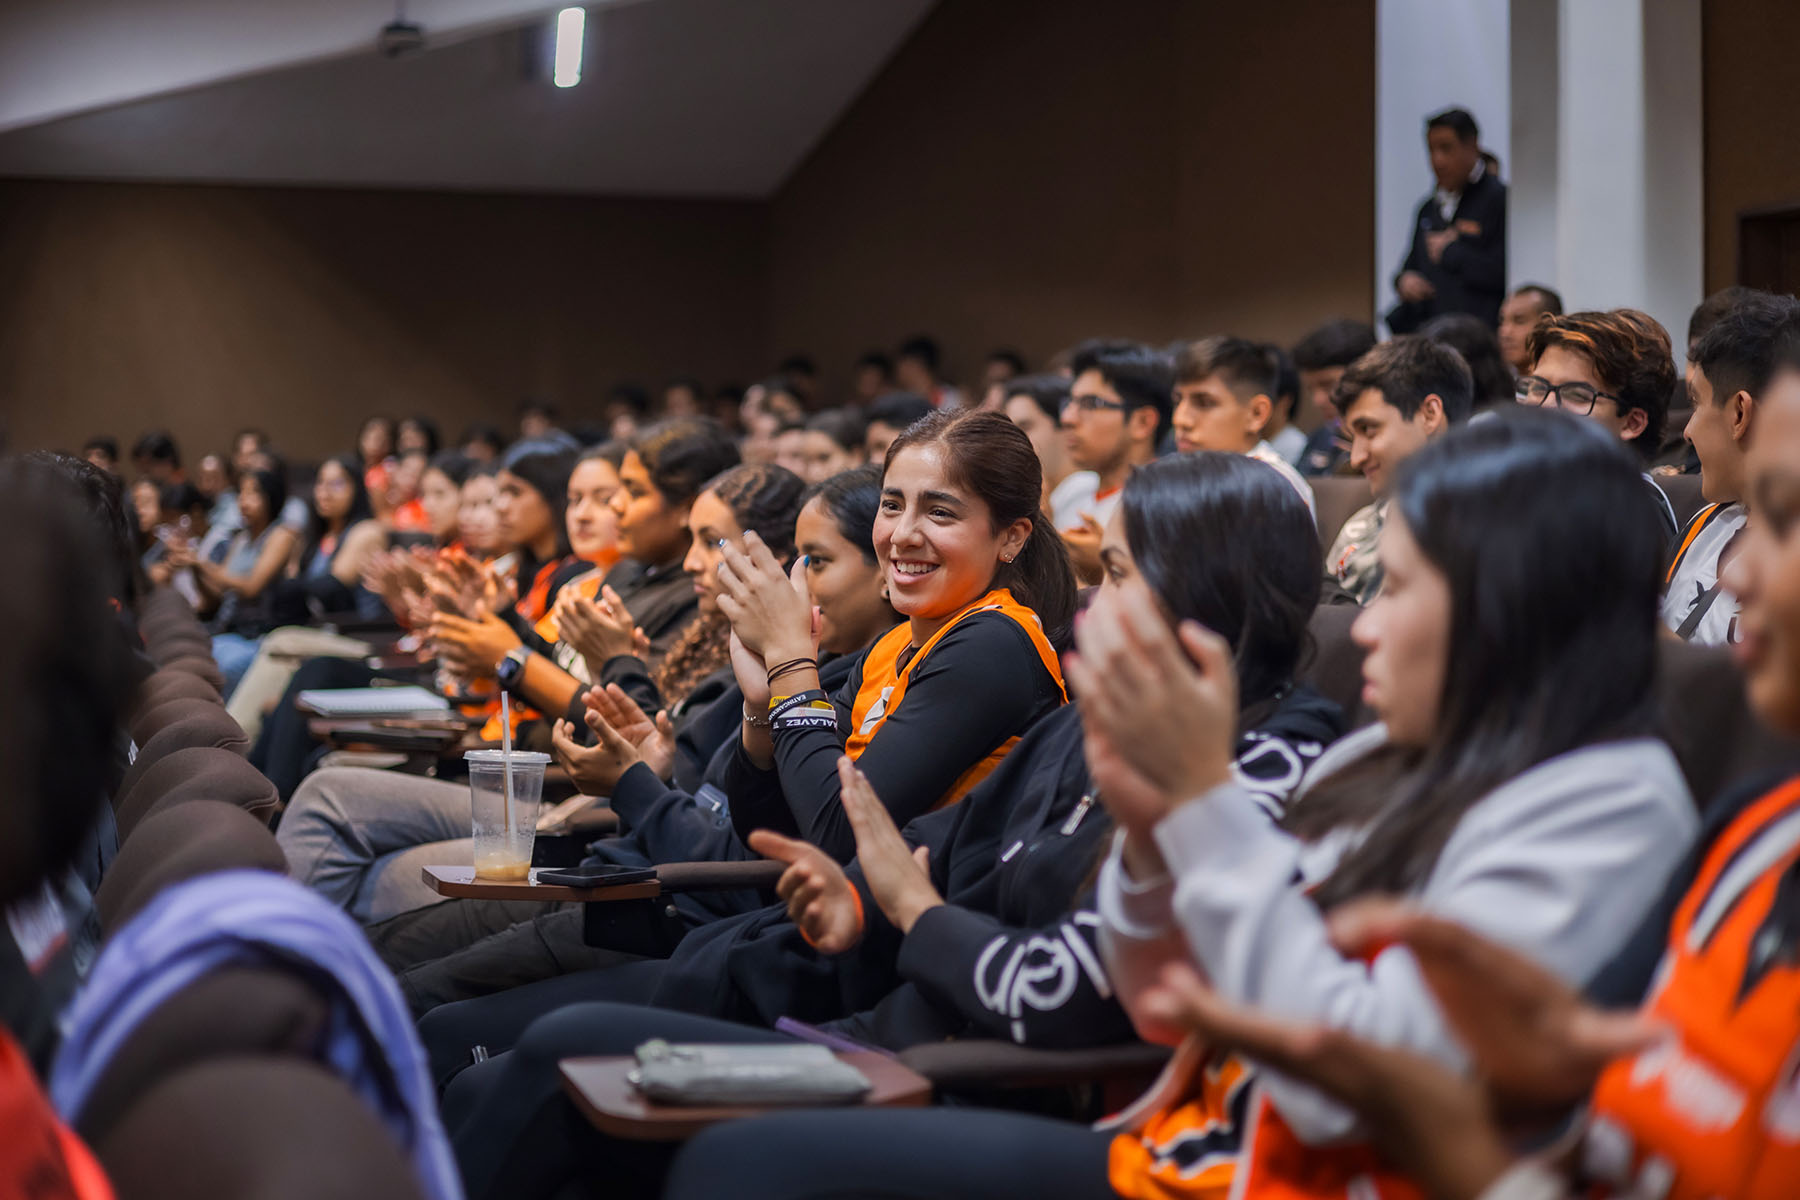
(932, 707)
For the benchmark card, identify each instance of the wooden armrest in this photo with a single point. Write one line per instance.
(980, 1064)
(719, 876)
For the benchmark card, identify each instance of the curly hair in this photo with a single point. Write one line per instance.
(1631, 356)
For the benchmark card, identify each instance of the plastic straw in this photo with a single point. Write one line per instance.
(506, 764)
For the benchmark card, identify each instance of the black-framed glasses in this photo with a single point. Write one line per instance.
(1577, 398)
(1088, 402)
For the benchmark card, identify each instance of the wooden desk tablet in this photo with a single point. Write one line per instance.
(600, 1088)
(460, 883)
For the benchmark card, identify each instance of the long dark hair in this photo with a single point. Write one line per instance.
(544, 464)
(1226, 541)
(763, 497)
(851, 499)
(991, 457)
(1538, 523)
(359, 506)
(273, 488)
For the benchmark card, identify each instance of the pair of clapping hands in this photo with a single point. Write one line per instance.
(821, 899)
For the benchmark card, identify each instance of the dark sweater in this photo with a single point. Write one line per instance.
(1471, 275)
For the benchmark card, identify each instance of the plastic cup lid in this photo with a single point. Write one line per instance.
(494, 758)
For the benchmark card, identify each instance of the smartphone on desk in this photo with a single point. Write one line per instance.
(604, 875)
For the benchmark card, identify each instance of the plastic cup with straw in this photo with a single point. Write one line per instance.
(500, 783)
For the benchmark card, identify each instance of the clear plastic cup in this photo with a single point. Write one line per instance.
(503, 839)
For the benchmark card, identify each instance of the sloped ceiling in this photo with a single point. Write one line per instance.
(718, 98)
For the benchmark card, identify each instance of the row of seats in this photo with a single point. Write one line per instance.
(233, 1053)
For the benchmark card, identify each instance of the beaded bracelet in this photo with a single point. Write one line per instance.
(789, 667)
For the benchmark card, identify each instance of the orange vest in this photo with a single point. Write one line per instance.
(1715, 1112)
(1189, 1149)
(534, 606)
(884, 682)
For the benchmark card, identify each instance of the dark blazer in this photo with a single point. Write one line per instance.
(1471, 276)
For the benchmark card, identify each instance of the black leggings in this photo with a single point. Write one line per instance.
(894, 1154)
(515, 1133)
(497, 1022)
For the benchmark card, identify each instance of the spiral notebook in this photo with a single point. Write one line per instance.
(372, 701)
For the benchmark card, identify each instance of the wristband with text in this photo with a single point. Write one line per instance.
(804, 710)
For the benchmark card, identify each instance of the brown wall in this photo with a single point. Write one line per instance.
(1752, 110)
(124, 307)
(1031, 172)
(1024, 172)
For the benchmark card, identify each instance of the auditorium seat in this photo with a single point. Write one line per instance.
(231, 1012)
(1337, 498)
(269, 1129)
(207, 715)
(1684, 496)
(165, 684)
(196, 836)
(1708, 722)
(196, 773)
(1334, 668)
(199, 667)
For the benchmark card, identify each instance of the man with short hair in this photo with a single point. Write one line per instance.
(1614, 368)
(1728, 372)
(1117, 410)
(157, 457)
(1288, 438)
(889, 416)
(1224, 393)
(1519, 316)
(1393, 399)
(1457, 260)
(916, 367)
(1320, 358)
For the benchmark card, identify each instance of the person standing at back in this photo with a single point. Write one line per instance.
(1457, 260)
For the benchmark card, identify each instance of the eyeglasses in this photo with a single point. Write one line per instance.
(1092, 403)
(1577, 398)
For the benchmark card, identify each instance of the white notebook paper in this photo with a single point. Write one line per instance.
(373, 701)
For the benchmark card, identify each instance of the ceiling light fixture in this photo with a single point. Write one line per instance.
(571, 24)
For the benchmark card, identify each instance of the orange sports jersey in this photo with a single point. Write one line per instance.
(1715, 1111)
(534, 606)
(39, 1158)
(884, 682)
(1187, 1150)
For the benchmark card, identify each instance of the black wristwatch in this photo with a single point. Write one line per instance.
(510, 670)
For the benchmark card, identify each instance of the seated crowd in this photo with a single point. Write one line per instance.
(1363, 753)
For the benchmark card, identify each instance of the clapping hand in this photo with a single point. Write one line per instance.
(654, 738)
(600, 629)
(1425, 1119)
(770, 609)
(1158, 707)
(594, 769)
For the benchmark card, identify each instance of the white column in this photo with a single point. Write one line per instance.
(1535, 72)
(1628, 213)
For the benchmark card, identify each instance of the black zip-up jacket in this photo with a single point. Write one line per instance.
(1471, 275)
(1013, 952)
